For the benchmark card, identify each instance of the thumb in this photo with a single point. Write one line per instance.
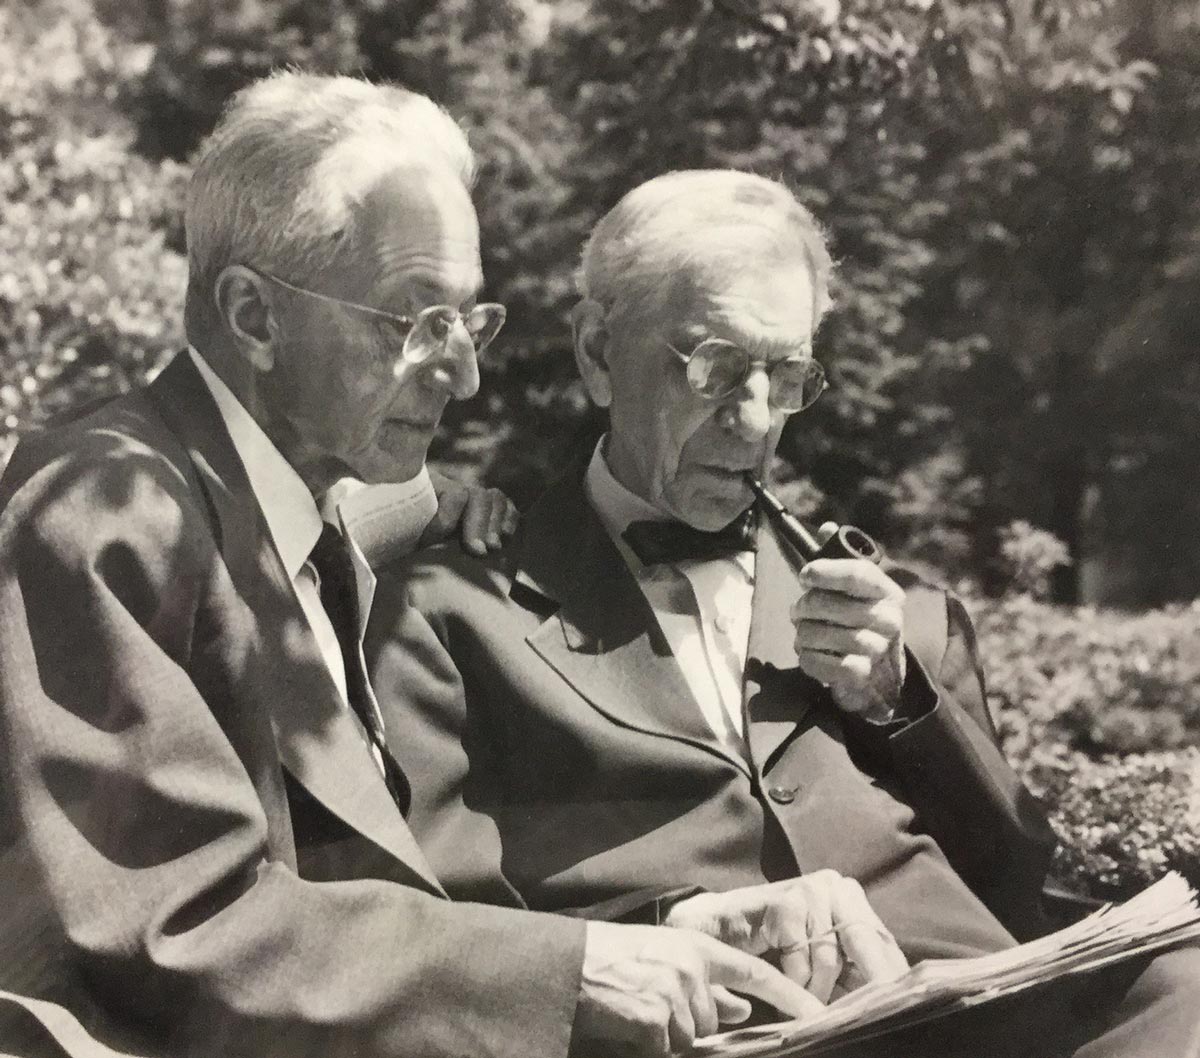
(826, 531)
(731, 1009)
(452, 501)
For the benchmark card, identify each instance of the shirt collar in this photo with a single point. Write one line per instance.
(289, 509)
(615, 505)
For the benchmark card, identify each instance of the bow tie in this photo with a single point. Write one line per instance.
(656, 543)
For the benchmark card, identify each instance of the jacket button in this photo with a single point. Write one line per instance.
(782, 795)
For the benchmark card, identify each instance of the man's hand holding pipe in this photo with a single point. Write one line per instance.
(850, 632)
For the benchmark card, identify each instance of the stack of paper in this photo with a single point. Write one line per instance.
(1163, 915)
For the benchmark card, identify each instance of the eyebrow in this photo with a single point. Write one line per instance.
(436, 292)
(688, 336)
(786, 349)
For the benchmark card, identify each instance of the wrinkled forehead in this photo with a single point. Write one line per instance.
(767, 298)
(416, 229)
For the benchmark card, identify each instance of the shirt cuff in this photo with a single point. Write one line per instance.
(918, 698)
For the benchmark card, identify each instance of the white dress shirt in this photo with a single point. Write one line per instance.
(377, 520)
(702, 606)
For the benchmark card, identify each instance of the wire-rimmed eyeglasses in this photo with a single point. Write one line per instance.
(427, 333)
(716, 368)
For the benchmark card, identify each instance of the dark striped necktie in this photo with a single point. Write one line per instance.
(339, 599)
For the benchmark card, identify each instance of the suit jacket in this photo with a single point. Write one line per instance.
(199, 854)
(559, 761)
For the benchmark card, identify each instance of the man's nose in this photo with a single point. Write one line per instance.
(748, 408)
(456, 368)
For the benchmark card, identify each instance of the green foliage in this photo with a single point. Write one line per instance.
(1122, 822)
(1061, 186)
(1004, 183)
(89, 289)
(1030, 556)
(1100, 711)
(1007, 185)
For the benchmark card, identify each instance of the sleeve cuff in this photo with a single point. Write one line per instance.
(646, 907)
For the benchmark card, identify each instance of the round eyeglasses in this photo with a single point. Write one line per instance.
(716, 368)
(428, 332)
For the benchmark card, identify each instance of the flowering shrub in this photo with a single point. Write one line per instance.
(1100, 712)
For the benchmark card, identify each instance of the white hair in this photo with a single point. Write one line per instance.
(276, 182)
(710, 220)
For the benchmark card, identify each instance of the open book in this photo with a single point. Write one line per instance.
(1161, 916)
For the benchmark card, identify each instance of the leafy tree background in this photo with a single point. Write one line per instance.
(1010, 187)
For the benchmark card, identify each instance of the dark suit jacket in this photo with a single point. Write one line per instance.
(199, 855)
(558, 758)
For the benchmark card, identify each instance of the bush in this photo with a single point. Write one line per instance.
(1121, 821)
(1029, 556)
(89, 288)
(1097, 708)
(1098, 711)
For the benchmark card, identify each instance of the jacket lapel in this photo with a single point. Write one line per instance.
(318, 740)
(601, 634)
(776, 695)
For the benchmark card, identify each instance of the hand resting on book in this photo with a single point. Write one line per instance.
(819, 926)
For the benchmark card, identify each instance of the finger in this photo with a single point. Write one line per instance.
(452, 500)
(705, 1020)
(752, 976)
(496, 519)
(825, 952)
(731, 1009)
(850, 576)
(885, 616)
(840, 641)
(512, 518)
(681, 1027)
(822, 667)
(796, 963)
(475, 522)
(826, 532)
(875, 955)
(852, 978)
(655, 1039)
(866, 940)
(847, 671)
(785, 926)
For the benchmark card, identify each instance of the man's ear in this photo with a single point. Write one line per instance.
(240, 294)
(591, 350)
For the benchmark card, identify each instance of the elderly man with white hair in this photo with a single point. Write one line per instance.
(642, 709)
(204, 848)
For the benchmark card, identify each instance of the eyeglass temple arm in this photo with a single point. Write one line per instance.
(406, 320)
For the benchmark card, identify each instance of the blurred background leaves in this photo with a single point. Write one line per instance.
(1010, 187)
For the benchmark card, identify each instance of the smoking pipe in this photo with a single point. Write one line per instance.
(847, 542)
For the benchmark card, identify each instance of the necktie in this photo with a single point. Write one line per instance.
(339, 599)
(656, 543)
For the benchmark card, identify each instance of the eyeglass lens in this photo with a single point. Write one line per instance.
(433, 327)
(716, 368)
